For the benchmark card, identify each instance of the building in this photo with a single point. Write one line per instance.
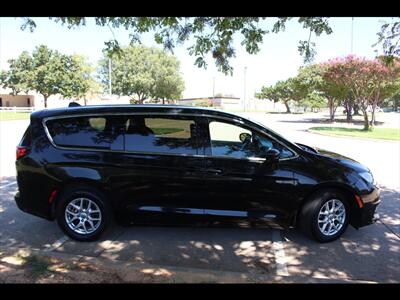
(232, 103)
(36, 100)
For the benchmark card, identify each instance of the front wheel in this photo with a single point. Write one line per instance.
(325, 216)
(83, 213)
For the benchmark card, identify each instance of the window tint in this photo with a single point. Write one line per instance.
(89, 132)
(174, 135)
(236, 141)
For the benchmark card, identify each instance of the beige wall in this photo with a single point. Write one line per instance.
(18, 100)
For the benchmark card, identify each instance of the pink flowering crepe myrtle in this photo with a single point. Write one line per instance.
(362, 77)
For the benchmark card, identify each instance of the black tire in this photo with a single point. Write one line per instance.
(308, 218)
(94, 195)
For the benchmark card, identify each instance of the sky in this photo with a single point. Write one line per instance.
(278, 58)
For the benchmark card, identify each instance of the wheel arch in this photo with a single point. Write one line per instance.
(77, 182)
(346, 190)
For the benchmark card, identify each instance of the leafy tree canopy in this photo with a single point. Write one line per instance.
(212, 35)
(48, 72)
(143, 73)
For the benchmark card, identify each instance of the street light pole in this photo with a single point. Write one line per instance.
(244, 89)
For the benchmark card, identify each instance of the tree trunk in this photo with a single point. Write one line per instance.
(45, 101)
(366, 121)
(163, 101)
(348, 106)
(331, 110)
(287, 107)
(374, 104)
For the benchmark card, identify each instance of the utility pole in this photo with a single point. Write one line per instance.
(109, 73)
(244, 89)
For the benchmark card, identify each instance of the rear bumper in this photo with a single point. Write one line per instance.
(25, 206)
(367, 214)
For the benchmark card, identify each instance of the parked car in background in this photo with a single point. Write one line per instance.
(84, 166)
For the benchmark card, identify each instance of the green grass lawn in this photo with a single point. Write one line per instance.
(10, 115)
(376, 133)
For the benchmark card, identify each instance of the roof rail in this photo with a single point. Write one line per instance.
(73, 104)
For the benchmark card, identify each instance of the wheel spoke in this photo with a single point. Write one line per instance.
(72, 213)
(73, 219)
(323, 221)
(91, 224)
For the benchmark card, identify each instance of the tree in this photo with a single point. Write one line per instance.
(362, 79)
(283, 91)
(313, 100)
(389, 37)
(319, 89)
(212, 35)
(48, 72)
(77, 81)
(168, 83)
(19, 74)
(142, 73)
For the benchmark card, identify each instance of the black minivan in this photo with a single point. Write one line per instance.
(84, 166)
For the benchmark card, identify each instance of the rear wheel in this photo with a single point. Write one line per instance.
(325, 216)
(83, 213)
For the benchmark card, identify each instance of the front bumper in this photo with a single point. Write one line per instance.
(367, 214)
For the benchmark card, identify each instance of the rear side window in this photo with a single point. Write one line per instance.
(84, 132)
(172, 135)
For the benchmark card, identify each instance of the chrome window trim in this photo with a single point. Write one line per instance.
(173, 113)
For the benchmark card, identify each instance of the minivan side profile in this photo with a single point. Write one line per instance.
(85, 166)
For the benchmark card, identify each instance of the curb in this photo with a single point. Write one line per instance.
(351, 137)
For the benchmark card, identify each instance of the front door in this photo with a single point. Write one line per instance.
(240, 182)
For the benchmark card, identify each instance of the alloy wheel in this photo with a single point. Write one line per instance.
(331, 217)
(83, 216)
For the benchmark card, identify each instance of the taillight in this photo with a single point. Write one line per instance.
(21, 151)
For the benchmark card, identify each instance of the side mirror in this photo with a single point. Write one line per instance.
(272, 155)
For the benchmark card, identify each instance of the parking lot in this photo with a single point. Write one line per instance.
(371, 254)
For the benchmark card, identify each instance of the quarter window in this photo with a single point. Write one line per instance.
(170, 135)
(84, 132)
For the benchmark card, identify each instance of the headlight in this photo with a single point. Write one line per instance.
(367, 177)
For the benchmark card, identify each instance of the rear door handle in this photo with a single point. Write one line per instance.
(213, 171)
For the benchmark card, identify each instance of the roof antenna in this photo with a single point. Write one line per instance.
(73, 104)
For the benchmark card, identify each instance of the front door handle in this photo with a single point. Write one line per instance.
(204, 170)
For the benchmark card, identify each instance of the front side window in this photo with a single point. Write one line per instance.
(229, 140)
(169, 135)
(84, 132)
